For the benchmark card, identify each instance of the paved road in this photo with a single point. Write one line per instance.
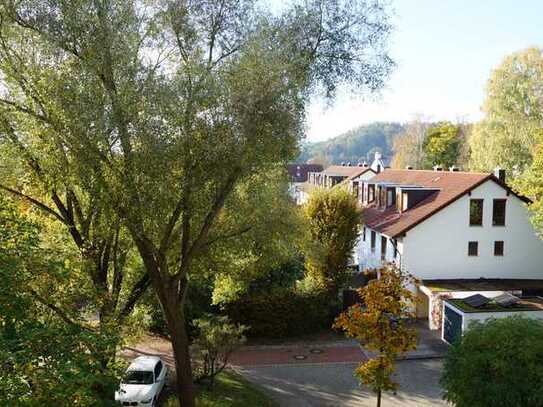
(334, 385)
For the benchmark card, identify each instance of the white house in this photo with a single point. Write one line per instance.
(456, 232)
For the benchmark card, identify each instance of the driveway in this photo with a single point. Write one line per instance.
(334, 385)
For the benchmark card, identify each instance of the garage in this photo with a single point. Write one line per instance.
(459, 313)
(452, 324)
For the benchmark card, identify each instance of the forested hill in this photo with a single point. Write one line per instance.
(358, 144)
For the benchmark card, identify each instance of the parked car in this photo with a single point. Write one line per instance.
(142, 383)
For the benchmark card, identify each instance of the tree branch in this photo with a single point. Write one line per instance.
(57, 310)
(226, 236)
(135, 294)
(35, 202)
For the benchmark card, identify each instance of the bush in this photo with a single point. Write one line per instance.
(215, 340)
(282, 312)
(497, 363)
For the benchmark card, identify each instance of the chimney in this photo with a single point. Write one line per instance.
(500, 174)
(454, 168)
(365, 164)
(348, 163)
(378, 155)
(408, 167)
(438, 168)
(359, 164)
(343, 163)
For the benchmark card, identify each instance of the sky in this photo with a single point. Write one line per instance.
(445, 51)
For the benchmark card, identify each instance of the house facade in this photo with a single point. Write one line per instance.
(449, 226)
(298, 175)
(332, 176)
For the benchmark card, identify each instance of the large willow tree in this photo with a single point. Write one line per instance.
(161, 109)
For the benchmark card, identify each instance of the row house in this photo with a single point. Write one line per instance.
(458, 233)
(334, 175)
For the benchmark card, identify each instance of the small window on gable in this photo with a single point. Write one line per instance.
(476, 212)
(373, 237)
(498, 248)
(364, 234)
(473, 248)
(383, 248)
(498, 212)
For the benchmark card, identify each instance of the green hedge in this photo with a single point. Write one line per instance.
(282, 312)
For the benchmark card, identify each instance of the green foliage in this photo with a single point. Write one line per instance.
(332, 217)
(282, 312)
(514, 113)
(271, 224)
(442, 145)
(497, 363)
(215, 340)
(48, 356)
(359, 144)
(531, 184)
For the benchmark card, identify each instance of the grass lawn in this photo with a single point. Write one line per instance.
(230, 390)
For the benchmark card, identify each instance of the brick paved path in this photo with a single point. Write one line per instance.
(282, 355)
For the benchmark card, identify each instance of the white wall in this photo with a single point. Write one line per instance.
(437, 248)
(368, 260)
(469, 317)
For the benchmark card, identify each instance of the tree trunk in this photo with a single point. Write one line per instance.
(175, 318)
(379, 398)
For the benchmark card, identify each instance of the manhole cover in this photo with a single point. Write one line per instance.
(316, 351)
(300, 357)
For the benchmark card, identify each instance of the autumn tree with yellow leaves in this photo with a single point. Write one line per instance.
(381, 324)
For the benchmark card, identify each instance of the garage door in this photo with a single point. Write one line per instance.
(452, 328)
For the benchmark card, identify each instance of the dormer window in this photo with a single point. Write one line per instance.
(371, 192)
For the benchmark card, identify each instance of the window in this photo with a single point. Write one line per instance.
(473, 248)
(372, 241)
(476, 212)
(498, 212)
(364, 234)
(371, 193)
(383, 248)
(498, 248)
(158, 369)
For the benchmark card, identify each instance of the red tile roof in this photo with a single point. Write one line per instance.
(451, 186)
(345, 170)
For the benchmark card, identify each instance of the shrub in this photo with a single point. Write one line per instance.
(215, 340)
(282, 312)
(497, 363)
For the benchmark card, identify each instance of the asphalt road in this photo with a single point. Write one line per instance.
(334, 385)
